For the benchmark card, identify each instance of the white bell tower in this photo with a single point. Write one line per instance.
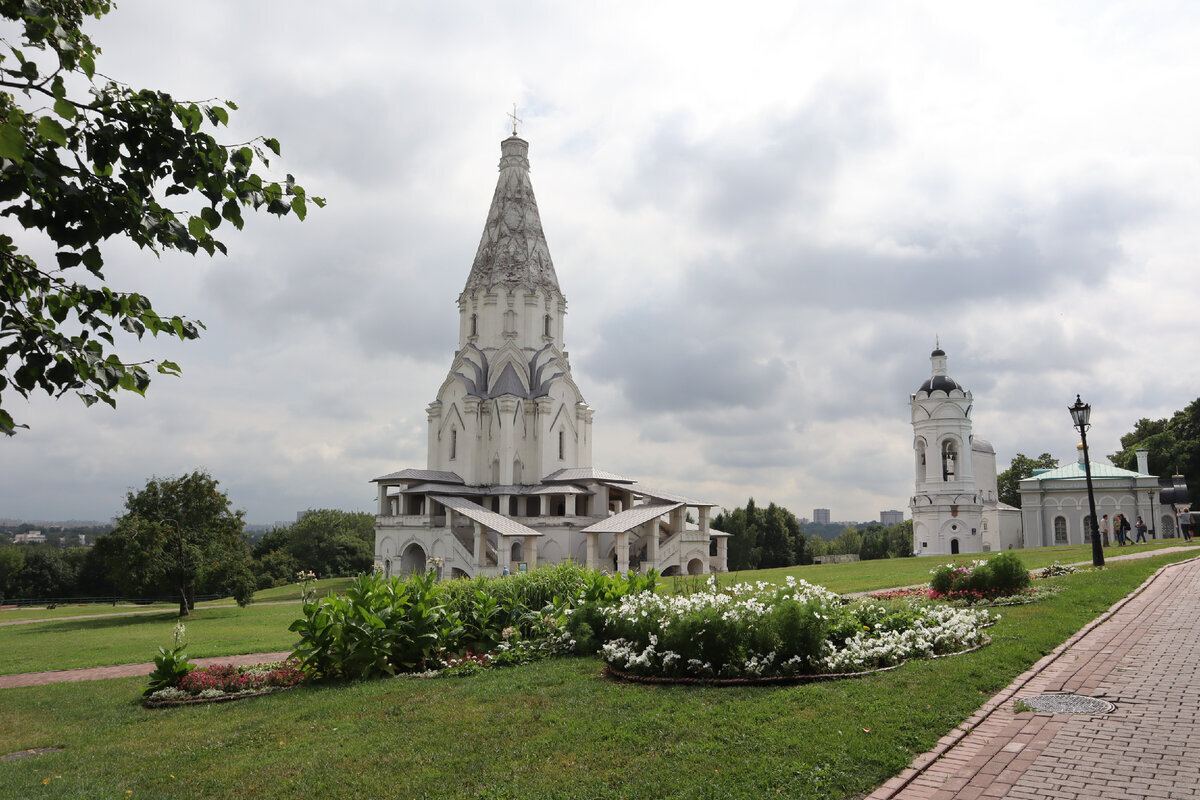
(947, 511)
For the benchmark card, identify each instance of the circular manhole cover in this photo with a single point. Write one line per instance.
(1068, 704)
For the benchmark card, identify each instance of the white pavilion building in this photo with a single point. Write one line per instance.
(509, 482)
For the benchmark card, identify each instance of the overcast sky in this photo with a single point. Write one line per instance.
(761, 218)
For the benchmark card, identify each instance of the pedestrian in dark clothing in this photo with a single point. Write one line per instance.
(1141, 530)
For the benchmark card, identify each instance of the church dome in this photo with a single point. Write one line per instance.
(940, 383)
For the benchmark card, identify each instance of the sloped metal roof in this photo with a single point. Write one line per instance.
(630, 518)
(654, 494)
(442, 488)
(434, 475)
(1075, 472)
(488, 519)
(585, 474)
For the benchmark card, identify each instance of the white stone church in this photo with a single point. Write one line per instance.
(509, 483)
(955, 508)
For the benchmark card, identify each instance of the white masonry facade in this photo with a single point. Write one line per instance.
(509, 483)
(955, 508)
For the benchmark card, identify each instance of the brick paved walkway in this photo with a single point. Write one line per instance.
(1140, 655)
(126, 670)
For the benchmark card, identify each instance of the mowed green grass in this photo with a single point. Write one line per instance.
(555, 729)
(864, 576)
(214, 629)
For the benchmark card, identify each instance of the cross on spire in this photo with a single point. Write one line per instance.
(515, 119)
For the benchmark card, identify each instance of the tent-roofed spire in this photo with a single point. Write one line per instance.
(513, 249)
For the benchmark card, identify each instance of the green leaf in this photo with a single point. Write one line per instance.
(168, 368)
(272, 145)
(12, 143)
(197, 228)
(87, 64)
(49, 128)
(299, 207)
(211, 218)
(64, 109)
(67, 259)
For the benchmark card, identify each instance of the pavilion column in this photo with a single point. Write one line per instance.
(723, 553)
(703, 512)
(592, 547)
(480, 546)
(623, 552)
(505, 552)
(651, 529)
(531, 551)
(383, 500)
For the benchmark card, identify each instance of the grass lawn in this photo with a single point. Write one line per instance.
(549, 730)
(217, 628)
(862, 576)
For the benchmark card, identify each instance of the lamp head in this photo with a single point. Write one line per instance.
(1081, 412)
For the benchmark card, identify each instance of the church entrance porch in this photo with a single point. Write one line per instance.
(413, 561)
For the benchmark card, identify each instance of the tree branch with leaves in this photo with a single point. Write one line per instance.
(78, 169)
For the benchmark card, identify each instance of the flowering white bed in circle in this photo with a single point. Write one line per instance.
(763, 630)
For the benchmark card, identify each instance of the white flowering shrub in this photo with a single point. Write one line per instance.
(764, 630)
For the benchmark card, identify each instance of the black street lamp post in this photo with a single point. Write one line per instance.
(1081, 412)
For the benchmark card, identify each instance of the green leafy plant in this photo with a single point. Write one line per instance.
(380, 626)
(1002, 575)
(170, 666)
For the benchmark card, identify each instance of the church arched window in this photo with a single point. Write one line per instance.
(546, 324)
(562, 445)
(1060, 530)
(453, 443)
(949, 460)
(474, 324)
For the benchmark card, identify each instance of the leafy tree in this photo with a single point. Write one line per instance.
(12, 561)
(1020, 467)
(84, 159)
(742, 525)
(179, 535)
(46, 573)
(331, 542)
(848, 542)
(1174, 445)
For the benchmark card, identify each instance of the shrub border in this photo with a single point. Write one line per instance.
(613, 673)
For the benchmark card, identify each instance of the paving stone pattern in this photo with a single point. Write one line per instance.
(1141, 655)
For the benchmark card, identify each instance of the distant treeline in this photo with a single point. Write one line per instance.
(773, 537)
(325, 541)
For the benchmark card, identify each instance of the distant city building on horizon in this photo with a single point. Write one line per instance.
(821, 516)
(890, 518)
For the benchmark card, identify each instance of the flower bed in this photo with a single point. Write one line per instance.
(754, 631)
(223, 682)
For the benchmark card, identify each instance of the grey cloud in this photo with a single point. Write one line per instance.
(784, 167)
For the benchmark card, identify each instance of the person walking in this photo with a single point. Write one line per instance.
(1123, 529)
(1185, 523)
(1104, 530)
(1141, 530)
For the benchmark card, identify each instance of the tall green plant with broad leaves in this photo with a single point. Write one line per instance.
(380, 626)
(170, 666)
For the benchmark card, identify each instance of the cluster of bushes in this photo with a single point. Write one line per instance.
(325, 541)
(766, 631)
(1000, 576)
(383, 626)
